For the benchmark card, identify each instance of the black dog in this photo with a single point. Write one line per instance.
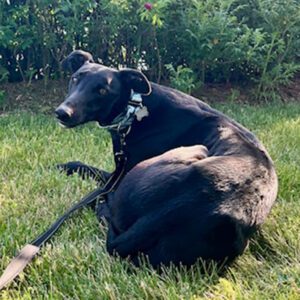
(196, 184)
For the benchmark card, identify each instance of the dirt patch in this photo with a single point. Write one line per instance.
(291, 92)
(36, 97)
(213, 93)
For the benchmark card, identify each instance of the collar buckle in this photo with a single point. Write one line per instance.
(135, 99)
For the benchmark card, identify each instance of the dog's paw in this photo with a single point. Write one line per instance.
(70, 167)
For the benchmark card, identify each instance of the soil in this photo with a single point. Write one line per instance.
(36, 97)
(44, 98)
(213, 93)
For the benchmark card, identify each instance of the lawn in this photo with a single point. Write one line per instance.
(75, 265)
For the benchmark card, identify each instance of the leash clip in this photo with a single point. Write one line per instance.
(136, 98)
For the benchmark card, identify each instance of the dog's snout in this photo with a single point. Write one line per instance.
(62, 114)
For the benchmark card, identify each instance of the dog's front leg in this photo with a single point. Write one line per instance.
(84, 171)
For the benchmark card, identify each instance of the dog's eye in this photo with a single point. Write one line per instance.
(102, 92)
(74, 79)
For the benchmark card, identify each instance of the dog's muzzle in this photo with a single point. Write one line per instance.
(64, 114)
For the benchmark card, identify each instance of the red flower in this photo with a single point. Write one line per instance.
(148, 5)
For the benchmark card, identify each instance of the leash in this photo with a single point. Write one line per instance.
(28, 252)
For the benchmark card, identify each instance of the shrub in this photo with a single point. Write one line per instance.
(183, 78)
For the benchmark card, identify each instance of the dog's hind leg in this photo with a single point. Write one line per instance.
(84, 171)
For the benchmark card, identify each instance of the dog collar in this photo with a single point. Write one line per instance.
(134, 110)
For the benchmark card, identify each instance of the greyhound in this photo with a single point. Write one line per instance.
(196, 184)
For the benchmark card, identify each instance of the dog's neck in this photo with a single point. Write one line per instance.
(134, 110)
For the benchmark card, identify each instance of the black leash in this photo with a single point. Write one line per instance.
(27, 253)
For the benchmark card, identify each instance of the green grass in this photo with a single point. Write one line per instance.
(75, 265)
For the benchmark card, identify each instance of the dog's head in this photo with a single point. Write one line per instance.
(97, 93)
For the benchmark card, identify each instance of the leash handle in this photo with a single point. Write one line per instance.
(18, 264)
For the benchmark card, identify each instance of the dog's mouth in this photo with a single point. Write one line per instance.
(63, 124)
(67, 125)
(70, 123)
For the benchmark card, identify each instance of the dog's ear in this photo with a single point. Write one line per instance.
(136, 81)
(75, 60)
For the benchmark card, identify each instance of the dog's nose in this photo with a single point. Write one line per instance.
(62, 114)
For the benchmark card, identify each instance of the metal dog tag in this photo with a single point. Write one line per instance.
(142, 113)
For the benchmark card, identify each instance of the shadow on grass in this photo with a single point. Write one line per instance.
(261, 248)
